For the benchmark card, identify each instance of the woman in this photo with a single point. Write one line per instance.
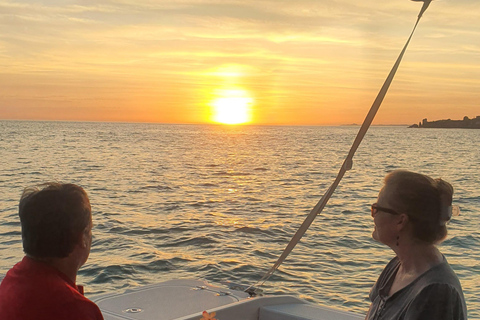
(410, 217)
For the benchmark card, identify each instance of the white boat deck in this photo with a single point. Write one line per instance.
(187, 299)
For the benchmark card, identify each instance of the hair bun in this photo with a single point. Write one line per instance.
(447, 213)
(445, 190)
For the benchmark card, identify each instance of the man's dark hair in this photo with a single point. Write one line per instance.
(53, 216)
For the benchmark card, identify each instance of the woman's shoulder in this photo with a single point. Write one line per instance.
(439, 283)
(439, 291)
(441, 274)
(438, 301)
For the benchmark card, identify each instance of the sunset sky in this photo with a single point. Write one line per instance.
(315, 62)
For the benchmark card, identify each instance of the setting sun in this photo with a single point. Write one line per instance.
(232, 107)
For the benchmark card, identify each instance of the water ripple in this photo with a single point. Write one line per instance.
(221, 203)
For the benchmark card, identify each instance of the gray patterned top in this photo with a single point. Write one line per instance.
(435, 295)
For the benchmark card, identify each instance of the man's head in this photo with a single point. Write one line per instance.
(55, 218)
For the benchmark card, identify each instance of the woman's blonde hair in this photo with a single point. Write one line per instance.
(426, 201)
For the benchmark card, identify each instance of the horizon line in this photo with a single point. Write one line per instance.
(205, 123)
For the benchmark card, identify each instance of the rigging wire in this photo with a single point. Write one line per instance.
(347, 164)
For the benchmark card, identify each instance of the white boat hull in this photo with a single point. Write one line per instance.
(187, 299)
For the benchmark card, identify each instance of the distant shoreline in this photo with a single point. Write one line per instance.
(466, 123)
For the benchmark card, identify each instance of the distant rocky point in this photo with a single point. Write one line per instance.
(466, 123)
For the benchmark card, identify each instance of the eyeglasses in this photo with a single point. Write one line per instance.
(376, 208)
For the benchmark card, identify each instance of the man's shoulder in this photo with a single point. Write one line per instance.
(31, 291)
(81, 308)
(59, 301)
(29, 275)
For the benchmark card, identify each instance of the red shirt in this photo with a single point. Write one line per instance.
(33, 290)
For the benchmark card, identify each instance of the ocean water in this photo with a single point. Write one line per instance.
(220, 203)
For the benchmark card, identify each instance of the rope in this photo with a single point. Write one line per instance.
(347, 164)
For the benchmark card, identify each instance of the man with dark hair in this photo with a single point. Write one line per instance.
(56, 224)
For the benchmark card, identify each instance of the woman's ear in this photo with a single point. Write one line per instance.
(402, 221)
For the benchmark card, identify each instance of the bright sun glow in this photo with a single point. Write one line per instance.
(232, 107)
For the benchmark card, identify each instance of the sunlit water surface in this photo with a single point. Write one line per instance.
(221, 203)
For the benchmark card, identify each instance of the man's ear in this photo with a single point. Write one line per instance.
(82, 239)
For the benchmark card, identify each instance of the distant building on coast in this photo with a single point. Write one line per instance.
(466, 123)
